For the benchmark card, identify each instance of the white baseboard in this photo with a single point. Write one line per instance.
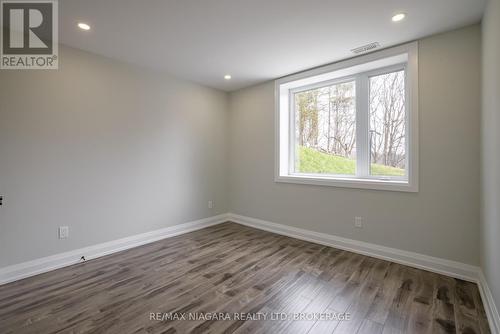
(45, 264)
(433, 264)
(441, 266)
(489, 304)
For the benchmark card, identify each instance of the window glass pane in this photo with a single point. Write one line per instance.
(325, 130)
(388, 124)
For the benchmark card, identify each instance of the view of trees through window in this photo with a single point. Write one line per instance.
(388, 122)
(325, 127)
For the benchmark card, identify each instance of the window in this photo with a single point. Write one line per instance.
(325, 126)
(388, 124)
(351, 124)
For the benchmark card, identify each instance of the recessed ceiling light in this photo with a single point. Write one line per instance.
(227, 77)
(83, 26)
(398, 17)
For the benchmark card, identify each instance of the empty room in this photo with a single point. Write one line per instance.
(250, 166)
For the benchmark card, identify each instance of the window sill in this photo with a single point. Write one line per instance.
(387, 185)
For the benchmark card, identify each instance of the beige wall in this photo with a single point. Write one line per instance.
(113, 150)
(106, 148)
(490, 227)
(441, 220)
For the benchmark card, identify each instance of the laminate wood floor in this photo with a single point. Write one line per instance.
(246, 273)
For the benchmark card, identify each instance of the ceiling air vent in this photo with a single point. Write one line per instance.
(366, 48)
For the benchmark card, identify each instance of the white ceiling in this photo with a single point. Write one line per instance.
(253, 40)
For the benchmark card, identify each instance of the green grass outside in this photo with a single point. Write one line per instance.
(312, 161)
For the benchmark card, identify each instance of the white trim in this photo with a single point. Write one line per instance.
(412, 151)
(438, 265)
(377, 56)
(363, 147)
(45, 264)
(433, 264)
(489, 304)
(346, 182)
(359, 66)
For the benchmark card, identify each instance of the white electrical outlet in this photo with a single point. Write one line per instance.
(358, 222)
(210, 204)
(63, 232)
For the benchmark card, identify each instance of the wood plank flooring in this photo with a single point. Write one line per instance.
(240, 271)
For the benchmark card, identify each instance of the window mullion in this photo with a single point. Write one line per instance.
(362, 127)
(292, 147)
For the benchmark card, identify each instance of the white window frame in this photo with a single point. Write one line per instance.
(358, 69)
